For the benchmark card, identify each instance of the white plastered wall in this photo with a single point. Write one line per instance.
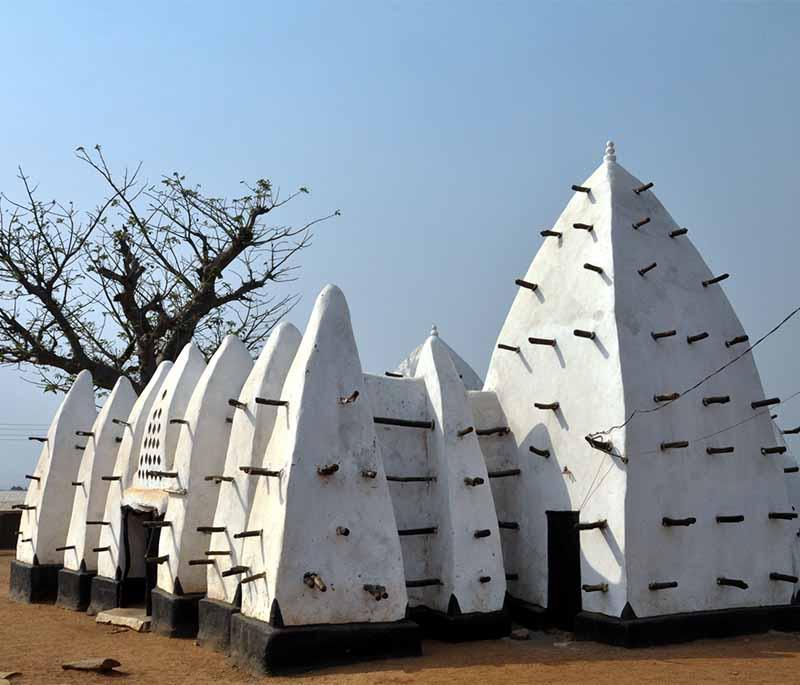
(689, 482)
(460, 510)
(44, 528)
(98, 461)
(250, 434)
(583, 376)
(200, 451)
(299, 513)
(125, 468)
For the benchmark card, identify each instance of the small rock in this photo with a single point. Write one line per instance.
(98, 665)
(520, 634)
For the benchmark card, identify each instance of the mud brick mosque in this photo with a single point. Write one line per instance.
(606, 478)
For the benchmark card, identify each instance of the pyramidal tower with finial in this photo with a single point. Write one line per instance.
(650, 509)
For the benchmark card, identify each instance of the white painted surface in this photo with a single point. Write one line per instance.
(460, 510)
(46, 526)
(98, 460)
(408, 367)
(125, 468)
(599, 382)
(201, 450)
(250, 434)
(299, 513)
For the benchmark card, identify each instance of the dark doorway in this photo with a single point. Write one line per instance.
(140, 542)
(563, 569)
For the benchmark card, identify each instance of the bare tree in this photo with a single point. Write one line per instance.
(120, 288)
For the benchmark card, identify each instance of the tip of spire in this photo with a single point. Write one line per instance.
(611, 153)
(434, 331)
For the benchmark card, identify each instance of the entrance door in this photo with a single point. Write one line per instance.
(563, 569)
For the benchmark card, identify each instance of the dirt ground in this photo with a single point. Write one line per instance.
(35, 639)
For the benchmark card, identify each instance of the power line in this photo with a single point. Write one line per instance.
(635, 412)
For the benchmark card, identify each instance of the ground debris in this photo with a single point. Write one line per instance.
(97, 665)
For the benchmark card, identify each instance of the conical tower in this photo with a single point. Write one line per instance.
(258, 406)
(48, 502)
(91, 491)
(648, 498)
(321, 546)
(201, 448)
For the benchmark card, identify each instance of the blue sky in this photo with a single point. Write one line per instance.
(447, 133)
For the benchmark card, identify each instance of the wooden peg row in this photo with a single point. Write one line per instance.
(250, 579)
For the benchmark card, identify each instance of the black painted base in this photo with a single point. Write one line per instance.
(174, 615)
(461, 627)
(74, 589)
(107, 593)
(658, 630)
(531, 616)
(214, 624)
(33, 584)
(264, 649)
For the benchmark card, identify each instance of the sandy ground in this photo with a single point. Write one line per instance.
(35, 639)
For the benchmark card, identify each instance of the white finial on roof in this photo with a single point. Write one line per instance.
(434, 331)
(611, 153)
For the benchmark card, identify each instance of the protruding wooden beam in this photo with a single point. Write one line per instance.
(29, 477)
(765, 403)
(423, 582)
(392, 374)
(37, 439)
(642, 188)
(719, 450)
(201, 562)
(738, 518)
(407, 532)
(792, 469)
(581, 189)
(250, 579)
(593, 267)
(550, 234)
(404, 423)
(327, 469)
(344, 531)
(638, 224)
(258, 471)
(236, 404)
(378, 592)
(598, 587)
(785, 577)
(247, 534)
(675, 445)
(101, 549)
(157, 524)
(84, 434)
(508, 525)
(602, 524)
(314, 581)
(737, 340)
(182, 422)
(65, 548)
(482, 533)
(473, 482)
(504, 474)
(657, 335)
(778, 449)
(156, 560)
(667, 397)
(732, 582)
(369, 473)
(539, 453)
(526, 284)
(583, 227)
(542, 341)
(647, 268)
(554, 406)
(782, 515)
(494, 430)
(716, 399)
(207, 530)
(580, 333)
(217, 478)
(349, 399)
(791, 431)
(697, 337)
(664, 585)
(508, 348)
(716, 279)
(678, 231)
(411, 479)
(235, 571)
(111, 479)
(98, 523)
(465, 431)
(668, 522)
(271, 403)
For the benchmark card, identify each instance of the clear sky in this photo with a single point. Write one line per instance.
(448, 133)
